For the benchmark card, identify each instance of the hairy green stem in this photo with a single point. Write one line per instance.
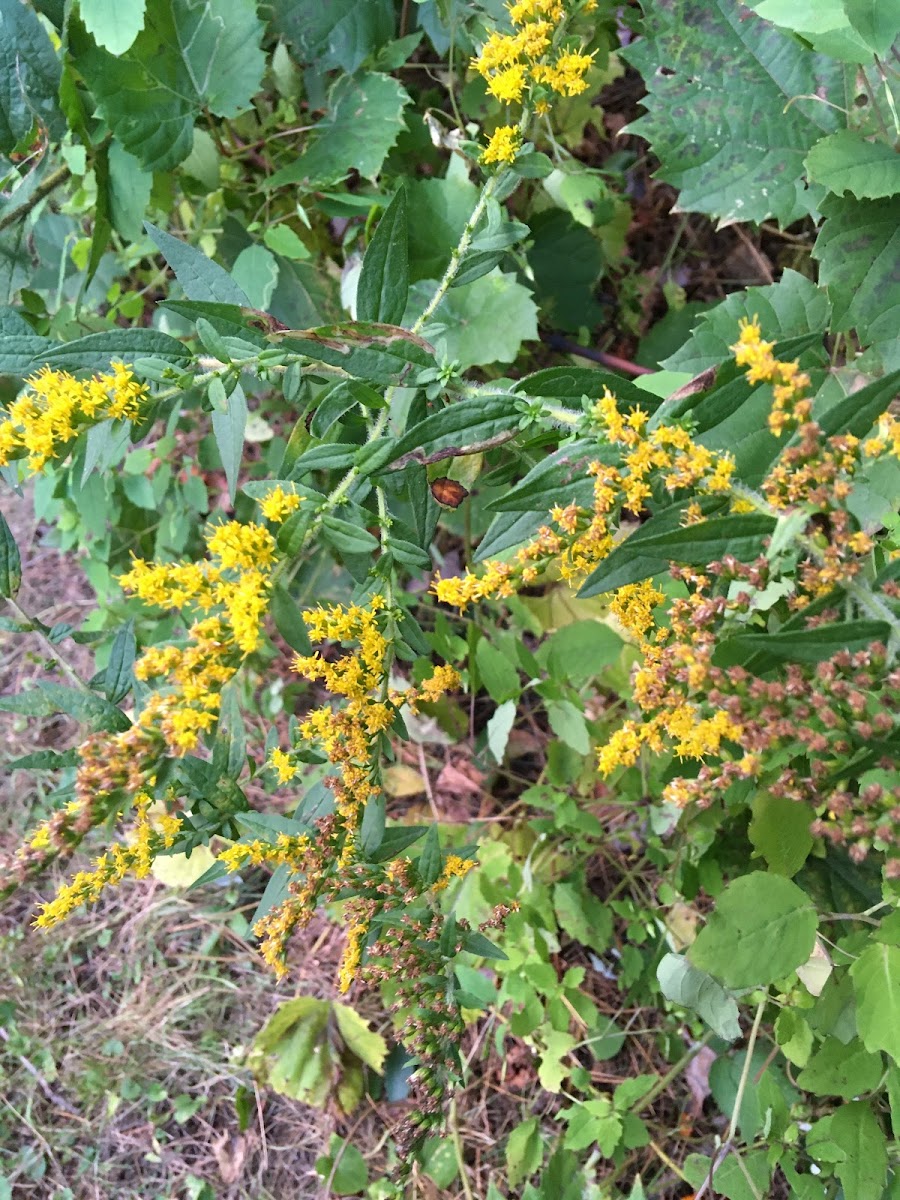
(54, 651)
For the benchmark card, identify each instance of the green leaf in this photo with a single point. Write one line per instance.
(281, 239)
(498, 729)
(808, 645)
(846, 162)
(789, 308)
(348, 538)
(876, 984)
(228, 430)
(118, 677)
(372, 352)
(341, 33)
(484, 322)
(368, 1046)
(582, 916)
(458, 426)
(780, 832)
(685, 984)
(763, 927)
(255, 272)
(794, 1036)
(85, 706)
(129, 188)
(566, 260)
(364, 120)
(863, 1170)
(44, 760)
(836, 1069)
(476, 943)
(201, 278)
(524, 1151)
(858, 412)
(650, 549)
(97, 350)
(10, 562)
(497, 672)
(858, 247)
(345, 394)
(288, 621)
(876, 22)
(821, 23)
(559, 478)
(384, 280)
(717, 116)
(113, 25)
(580, 651)
(395, 841)
(730, 1176)
(569, 725)
(430, 860)
(190, 56)
(29, 76)
(437, 212)
(593, 1122)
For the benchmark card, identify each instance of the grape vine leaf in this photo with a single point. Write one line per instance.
(114, 25)
(365, 117)
(846, 162)
(339, 33)
(29, 76)
(858, 248)
(719, 85)
(190, 55)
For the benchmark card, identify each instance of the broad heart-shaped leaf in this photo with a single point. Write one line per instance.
(10, 562)
(789, 308)
(858, 248)
(763, 927)
(482, 323)
(29, 76)
(458, 426)
(201, 278)
(384, 280)
(718, 116)
(836, 1069)
(373, 352)
(339, 33)
(876, 984)
(687, 985)
(779, 831)
(190, 55)
(863, 1170)
(846, 162)
(114, 26)
(365, 117)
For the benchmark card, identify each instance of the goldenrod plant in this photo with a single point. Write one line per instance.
(336, 500)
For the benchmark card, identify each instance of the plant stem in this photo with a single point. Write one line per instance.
(43, 189)
(457, 255)
(52, 650)
(663, 1082)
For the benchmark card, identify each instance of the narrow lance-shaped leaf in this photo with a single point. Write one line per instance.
(10, 562)
(228, 430)
(384, 279)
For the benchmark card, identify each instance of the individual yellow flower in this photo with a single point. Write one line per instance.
(281, 763)
(279, 504)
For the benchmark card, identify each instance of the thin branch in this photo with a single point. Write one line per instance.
(43, 189)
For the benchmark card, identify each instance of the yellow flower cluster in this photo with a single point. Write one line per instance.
(584, 537)
(525, 64)
(790, 406)
(669, 686)
(151, 835)
(634, 605)
(235, 581)
(348, 735)
(284, 851)
(55, 407)
(454, 868)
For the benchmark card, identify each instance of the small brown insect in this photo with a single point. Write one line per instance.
(448, 492)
